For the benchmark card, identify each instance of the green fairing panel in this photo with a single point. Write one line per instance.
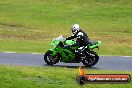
(55, 42)
(70, 42)
(53, 51)
(65, 58)
(94, 46)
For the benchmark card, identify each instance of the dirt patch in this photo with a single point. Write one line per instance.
(11, 25)
(123, 31)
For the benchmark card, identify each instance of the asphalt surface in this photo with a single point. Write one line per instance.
(105, 62)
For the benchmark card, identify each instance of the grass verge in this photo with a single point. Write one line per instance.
(50, 77)
(29, 46)
(32, 24)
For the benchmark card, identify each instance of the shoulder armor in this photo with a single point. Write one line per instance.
(80, 34)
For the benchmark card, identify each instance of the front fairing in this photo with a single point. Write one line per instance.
(56, 41)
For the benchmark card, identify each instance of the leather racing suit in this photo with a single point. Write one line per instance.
(82, 41)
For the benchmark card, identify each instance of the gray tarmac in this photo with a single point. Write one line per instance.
(104, 63)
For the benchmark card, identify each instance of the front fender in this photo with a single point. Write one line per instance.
(53, 51)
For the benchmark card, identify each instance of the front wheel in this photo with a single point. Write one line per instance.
(49, 59)
(91, 59)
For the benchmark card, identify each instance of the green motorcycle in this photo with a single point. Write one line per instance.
(61, 52)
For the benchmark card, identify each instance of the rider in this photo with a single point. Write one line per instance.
(82, 38)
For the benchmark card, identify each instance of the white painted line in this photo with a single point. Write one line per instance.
(35, 53)
(43, 53)
(126, 56)
(8, 52)
(21, 53)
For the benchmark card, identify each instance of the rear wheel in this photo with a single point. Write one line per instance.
(91, 59)
(49, 59)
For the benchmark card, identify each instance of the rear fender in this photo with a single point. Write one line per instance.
(95, 46)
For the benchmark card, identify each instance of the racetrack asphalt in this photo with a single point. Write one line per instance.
(104, 63)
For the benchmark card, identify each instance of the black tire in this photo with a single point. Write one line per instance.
(91, 59)
(49, 59)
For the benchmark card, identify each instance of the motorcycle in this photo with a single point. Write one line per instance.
(61, 52)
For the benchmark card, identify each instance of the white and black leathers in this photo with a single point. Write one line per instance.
(82, 40)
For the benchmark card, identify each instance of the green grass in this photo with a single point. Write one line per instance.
(38, 21)
(50, 77)
(23, 45)
(29, 46)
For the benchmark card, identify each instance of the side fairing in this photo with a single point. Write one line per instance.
(70, 42)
